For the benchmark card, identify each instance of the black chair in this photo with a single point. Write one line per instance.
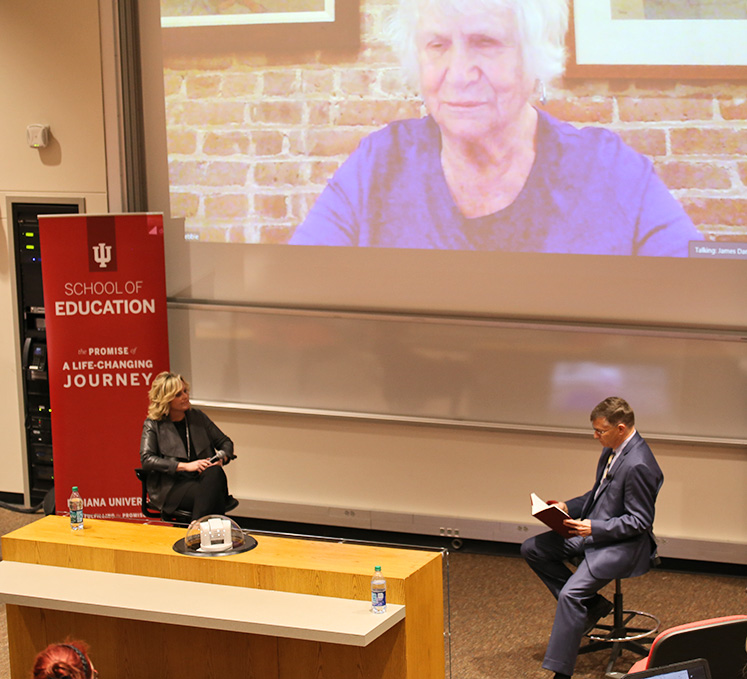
(180, 515)
(629, 630)
(150, 510)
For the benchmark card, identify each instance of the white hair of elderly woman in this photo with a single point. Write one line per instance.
(541, 27)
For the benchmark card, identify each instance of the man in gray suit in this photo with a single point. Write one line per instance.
(611, 533)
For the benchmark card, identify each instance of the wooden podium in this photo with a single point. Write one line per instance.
(135, 631)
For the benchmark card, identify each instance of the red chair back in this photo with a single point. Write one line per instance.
(721, 641)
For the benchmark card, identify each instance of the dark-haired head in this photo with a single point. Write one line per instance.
(615, 410)
(64, 661)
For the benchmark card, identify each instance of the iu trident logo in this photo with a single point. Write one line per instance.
(102, 254)
(102, 244)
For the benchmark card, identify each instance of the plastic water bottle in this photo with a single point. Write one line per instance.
(378, 591)
(75, 505)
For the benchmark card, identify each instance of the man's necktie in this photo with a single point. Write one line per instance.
(604, 475)
(609, 464)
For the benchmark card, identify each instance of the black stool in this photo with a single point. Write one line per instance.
(629, 630)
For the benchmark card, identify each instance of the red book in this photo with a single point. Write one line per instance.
(551, 515)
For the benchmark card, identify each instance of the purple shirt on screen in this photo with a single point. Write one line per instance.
(587, 193)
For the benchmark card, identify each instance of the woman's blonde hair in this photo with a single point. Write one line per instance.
(163, 389)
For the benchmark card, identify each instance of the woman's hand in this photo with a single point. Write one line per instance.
(194, 466)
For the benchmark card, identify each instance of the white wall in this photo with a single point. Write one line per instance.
(386, 475)
(50, 73)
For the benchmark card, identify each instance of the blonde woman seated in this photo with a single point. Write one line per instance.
(183, 452)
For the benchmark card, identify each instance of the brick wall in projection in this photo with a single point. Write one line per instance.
(253, 137)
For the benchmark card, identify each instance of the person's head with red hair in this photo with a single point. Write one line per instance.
(64, 661)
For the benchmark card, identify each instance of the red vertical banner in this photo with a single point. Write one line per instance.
(107, 338)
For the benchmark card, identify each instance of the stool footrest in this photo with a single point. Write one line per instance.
(617, 633)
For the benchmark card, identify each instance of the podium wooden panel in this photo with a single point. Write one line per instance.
(130, 648)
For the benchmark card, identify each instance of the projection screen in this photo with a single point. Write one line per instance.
(246, 126)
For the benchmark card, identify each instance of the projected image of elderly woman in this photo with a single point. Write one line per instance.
(486, 169)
